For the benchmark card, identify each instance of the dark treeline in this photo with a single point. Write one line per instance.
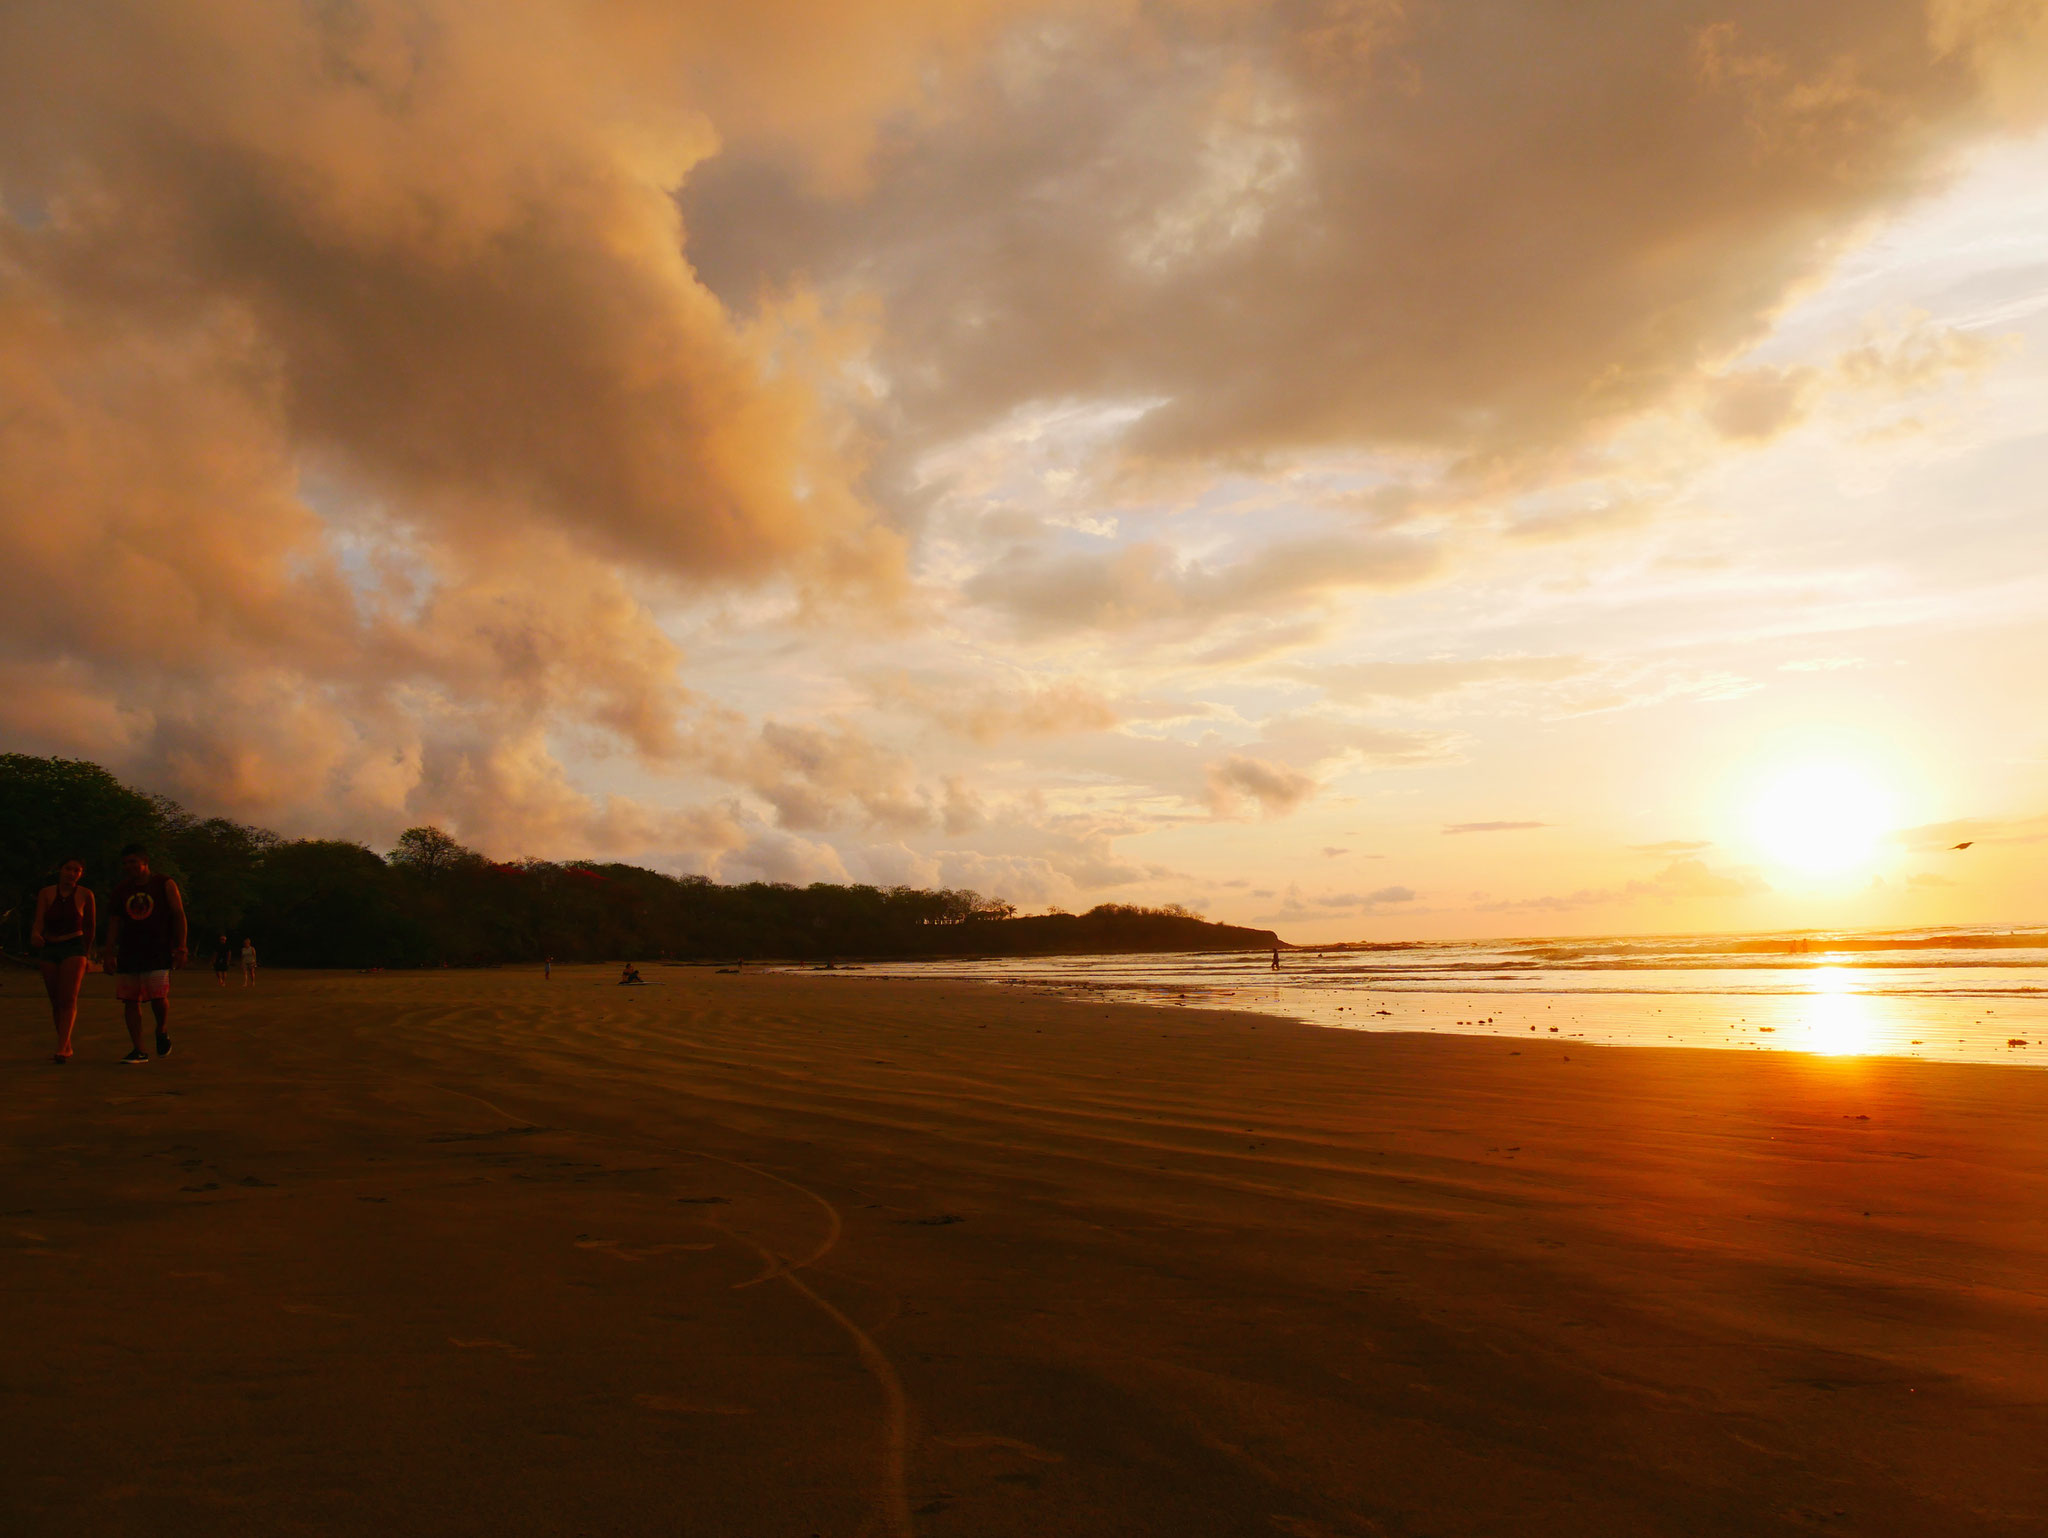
(329, 903)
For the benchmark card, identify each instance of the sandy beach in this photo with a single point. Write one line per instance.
(780, 1255)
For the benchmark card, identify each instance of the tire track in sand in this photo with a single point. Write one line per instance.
(894, 1501)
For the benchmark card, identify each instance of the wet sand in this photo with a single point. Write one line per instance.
(479, 1253)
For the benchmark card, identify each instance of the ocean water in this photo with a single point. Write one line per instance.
(1976, 995)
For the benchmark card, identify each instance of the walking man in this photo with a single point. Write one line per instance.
(145, 941)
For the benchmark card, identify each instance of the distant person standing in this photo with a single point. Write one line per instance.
(1276, 959)
(547, 966)
(145, 942)
(248, 961)
(61, 934)
(223, 961)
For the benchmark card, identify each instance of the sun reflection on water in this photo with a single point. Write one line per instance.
(1838, 1015)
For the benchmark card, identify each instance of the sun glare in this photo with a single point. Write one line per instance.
(1838, 1016)
(1823, 819)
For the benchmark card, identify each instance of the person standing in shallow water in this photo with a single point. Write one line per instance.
(145, 942)
(61, 934)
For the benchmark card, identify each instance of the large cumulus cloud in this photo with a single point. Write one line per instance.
(374, 372)
(1471, 227)
(356, 389)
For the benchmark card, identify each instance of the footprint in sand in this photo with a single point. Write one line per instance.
(668, 1404)
(618, 1249)
(517, 1353)
(975, 1440)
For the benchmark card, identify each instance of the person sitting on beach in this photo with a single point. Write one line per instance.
(223, 961)
(61, 936)
(631, 977)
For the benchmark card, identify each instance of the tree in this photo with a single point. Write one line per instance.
(326, 903)
(54, 809)
(218, 864)
(430, 854)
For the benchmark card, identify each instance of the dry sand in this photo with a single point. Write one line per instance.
(478, 1253)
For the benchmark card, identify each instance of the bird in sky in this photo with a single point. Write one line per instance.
(1965, 844)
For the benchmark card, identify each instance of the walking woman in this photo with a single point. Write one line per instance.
(61, 933)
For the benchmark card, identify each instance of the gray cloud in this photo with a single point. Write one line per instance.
(1046, 592)
(1285, 244)
(1275, 788)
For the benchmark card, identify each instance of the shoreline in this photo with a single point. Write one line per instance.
(1850, 1023)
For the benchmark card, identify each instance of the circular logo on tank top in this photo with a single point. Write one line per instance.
(140, 905)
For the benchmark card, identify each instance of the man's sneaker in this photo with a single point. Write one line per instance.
(163, 1043)
(137, 1056)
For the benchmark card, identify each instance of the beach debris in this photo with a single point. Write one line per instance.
(2016, 1041)
(1855, 1118)
(941, 1220)
(477, 1137)
(705, 1201)
(668, 1404)
(517, 1353)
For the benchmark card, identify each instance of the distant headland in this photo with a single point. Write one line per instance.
(431, 902)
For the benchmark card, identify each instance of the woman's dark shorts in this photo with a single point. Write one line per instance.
(64, 950)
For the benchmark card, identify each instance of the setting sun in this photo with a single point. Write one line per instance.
(1821, 818)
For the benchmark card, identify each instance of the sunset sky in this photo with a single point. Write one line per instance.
(1362, 468)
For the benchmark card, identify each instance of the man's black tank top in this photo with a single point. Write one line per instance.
(145, 910)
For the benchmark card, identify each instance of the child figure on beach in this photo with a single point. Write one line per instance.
(145, 941)
(61, 934)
